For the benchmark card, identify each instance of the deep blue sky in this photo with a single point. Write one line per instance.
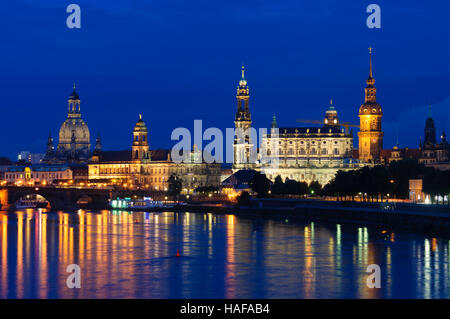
(175, 61)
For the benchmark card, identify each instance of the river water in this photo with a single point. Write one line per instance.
(134, 255)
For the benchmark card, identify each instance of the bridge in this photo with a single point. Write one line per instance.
(68, 198)
(58, 198)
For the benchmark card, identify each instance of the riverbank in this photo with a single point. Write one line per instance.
(427, 218)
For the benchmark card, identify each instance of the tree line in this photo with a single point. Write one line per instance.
(369, 183)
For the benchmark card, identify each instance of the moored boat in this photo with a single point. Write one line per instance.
(145, 203)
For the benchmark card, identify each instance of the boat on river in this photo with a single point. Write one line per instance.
(145, 203)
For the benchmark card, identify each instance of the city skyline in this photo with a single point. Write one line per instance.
(294, 67)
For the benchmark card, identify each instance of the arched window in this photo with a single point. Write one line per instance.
(137, 153)
(324, 151)
(313, 151)
(336, 151)
(302, 151)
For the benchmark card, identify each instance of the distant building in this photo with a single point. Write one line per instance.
(434, 154)
(416, 194)
(398, 154)
(143, 167)
(33, 158)
(370, 115)
(74, 144)
(37, 174)
(238, 182)
(299, 153)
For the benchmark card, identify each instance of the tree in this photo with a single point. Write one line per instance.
(244, 198)
(260, 184)
(315, 188)
(174, 183)
(278, 186)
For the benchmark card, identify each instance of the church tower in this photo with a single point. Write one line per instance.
(331, 118)
(243, 146)
(430, 130)
(370, 114)
(140, 148)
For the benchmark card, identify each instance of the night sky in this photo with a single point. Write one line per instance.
(175, 61)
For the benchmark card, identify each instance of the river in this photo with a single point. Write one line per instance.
(134, 255)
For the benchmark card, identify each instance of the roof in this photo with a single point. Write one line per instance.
(74, 95)
(159, 155)
(39, 168)
(241, 177)
(126, 155)
(310, 130)
(115, 156)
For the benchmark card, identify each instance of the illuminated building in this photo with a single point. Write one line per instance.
(301, 153)
(74, 144)
(370, 115)
(151, 169)
(243, 143)
(434, 154)
(38, 174)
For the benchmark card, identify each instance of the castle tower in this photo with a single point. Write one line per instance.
(331, 118)
(243, 146)
(50, 150)
(370, 115)
(140, 148)
(98, 144)
(430, 130)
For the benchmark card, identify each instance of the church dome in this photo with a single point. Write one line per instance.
(74, 137)
(74, 127)
(140, 125)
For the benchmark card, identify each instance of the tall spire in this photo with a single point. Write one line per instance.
(243, 81)
(98, 143)
(430, 115)
(274, 122)
(370, 59)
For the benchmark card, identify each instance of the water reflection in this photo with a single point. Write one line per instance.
(126, 255)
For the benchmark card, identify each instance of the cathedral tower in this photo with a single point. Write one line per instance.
(243, 146)
(430, 130)
(140, 148)
(370, 114)
(331, 118)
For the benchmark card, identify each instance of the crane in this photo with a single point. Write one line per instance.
(344, 124)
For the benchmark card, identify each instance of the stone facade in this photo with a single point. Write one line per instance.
(434, 154)
(299, 153)
(151, 169)
(370, 115)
